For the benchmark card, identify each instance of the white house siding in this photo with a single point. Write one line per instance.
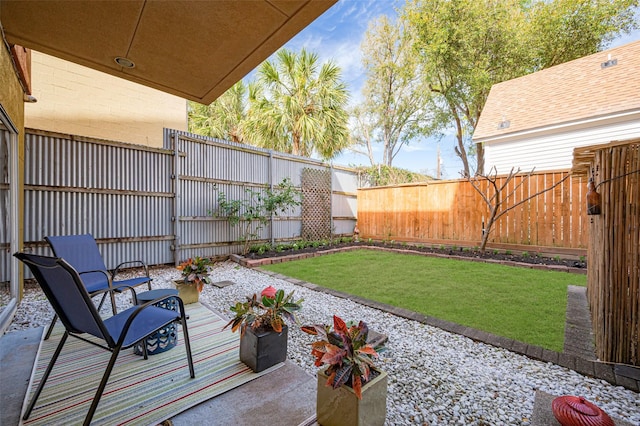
(552, 149)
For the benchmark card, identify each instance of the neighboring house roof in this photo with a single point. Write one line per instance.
(566, 93)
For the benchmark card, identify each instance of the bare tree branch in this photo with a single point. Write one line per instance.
(496, 201)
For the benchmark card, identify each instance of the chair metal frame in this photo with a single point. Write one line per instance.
(85, 319)
(59, 247)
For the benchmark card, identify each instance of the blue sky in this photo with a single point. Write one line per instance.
(336, 36)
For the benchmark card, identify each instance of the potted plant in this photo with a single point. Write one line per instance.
(263, 332)
(351, 391)
(195, 274)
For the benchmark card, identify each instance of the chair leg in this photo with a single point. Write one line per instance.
(101, 386)
(45, 376)
(113, 303)
(53, 322)
(104, 297)
(187, 344)
(145, 352)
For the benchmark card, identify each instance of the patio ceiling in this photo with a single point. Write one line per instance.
(192, 49)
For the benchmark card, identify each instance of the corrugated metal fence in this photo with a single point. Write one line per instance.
(153, 204)
(209, 166)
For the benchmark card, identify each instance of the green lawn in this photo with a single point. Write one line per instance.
(523, 304)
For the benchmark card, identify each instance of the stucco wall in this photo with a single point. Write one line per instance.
(77, 100)
(11, 99)
(10, 90)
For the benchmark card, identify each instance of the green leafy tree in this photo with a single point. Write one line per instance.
(393, 111)
(564, 30)
(468, 45)
(380, 175)
(224, 118)
(298, 106)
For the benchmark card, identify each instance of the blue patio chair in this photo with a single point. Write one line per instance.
(81, 252)
(68, 295)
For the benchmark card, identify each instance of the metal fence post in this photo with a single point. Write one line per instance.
(175, 219)
(271, 188)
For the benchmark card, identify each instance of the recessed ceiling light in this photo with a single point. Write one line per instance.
(124, 62)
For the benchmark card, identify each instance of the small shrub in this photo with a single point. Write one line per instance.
(252, 213)
(466, 249)
(507, 252)
(260, 248)
(583, 259)
(556, 258)
(525, 254)
(496, 252)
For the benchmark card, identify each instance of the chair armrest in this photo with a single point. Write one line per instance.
(131, 262)
(127, 324)
(106, 273)
(119, 289)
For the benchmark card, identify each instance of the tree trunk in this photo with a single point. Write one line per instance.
(460, 149)
(480, 158)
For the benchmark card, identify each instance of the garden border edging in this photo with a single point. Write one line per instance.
(616, 374)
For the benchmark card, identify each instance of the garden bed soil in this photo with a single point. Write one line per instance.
(502, 256)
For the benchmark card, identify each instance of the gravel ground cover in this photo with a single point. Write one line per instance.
(435, 377)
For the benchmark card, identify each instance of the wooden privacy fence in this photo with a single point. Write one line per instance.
(613, 280)
(454, 211)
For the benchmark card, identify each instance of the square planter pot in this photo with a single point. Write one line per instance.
(341, 407)
(187, 292)
(263, 349)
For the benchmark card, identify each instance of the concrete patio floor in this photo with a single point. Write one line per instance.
(287, 394)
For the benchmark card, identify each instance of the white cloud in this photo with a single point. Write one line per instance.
(417, 148)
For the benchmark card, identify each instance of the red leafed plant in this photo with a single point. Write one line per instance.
(346, 352)
(266, 312)
(195, 271)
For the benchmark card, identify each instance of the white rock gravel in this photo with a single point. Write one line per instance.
(435, 377)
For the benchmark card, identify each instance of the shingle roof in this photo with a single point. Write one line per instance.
(572, 91)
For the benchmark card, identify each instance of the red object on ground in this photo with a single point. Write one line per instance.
(577, 411)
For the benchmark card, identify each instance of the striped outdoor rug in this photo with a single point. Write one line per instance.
(138, 392)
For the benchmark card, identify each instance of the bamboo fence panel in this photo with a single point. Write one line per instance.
(453, 210)
(613, 282)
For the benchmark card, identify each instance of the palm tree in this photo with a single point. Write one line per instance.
(224, 118)
(298, 107)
